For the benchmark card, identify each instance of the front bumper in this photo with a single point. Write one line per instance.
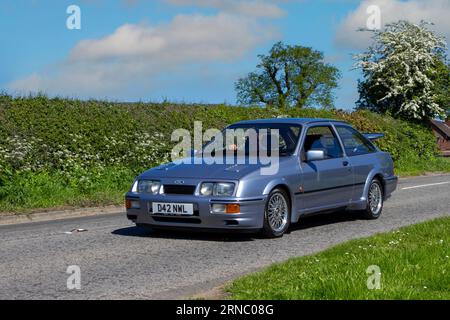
(250, 218)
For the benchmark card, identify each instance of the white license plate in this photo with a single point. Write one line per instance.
(176, 209)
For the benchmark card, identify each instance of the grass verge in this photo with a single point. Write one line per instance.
(414, 264)
(415, 167)
(29, 192)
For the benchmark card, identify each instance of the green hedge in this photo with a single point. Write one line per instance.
(79, 143)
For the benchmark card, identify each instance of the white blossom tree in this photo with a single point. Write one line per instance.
(398, 71)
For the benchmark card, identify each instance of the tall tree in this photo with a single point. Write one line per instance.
(400, 71)
(289, 76)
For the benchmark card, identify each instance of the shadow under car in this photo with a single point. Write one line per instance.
(306, 222)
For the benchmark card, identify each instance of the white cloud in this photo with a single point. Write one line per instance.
(137, 53)
(193, 37)
(436, 11)
(254, 8)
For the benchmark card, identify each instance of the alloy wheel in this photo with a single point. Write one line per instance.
(375, 198)
(277, 212)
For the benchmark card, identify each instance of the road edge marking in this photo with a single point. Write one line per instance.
(426, 185)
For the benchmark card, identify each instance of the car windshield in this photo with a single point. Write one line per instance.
(255, 139)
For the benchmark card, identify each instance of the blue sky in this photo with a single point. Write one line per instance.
(180, 50)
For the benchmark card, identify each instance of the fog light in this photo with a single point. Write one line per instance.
(219, 208)
(132, 204)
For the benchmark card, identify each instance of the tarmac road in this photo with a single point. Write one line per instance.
(120, 261)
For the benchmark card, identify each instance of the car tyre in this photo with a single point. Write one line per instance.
(375, 201)
(277, 214)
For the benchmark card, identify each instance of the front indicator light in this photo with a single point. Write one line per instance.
(226, 208)
(233, 208)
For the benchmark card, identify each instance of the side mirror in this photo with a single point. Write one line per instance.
(314, 155)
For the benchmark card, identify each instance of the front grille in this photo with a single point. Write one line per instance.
(177, 189)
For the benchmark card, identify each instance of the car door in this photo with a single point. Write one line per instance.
(327, 183)
(359, 151)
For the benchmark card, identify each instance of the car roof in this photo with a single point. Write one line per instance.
(289, 121)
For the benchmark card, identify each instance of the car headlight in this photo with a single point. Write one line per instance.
(221, 189)
(206, 189)
(224, 189)
(148, 186)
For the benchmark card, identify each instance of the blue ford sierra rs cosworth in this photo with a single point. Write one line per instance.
(322, 165)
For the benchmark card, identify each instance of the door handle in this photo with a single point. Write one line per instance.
(345, 163)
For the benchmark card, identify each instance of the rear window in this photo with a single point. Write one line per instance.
(354, 142)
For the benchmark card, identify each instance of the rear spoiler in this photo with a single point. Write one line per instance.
(373, 136)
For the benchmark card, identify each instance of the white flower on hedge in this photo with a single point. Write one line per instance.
(29, 154)
(402, 61)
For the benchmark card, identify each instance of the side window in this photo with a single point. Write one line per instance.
(354, 143)
(323, 138)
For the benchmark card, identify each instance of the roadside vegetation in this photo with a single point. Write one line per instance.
(61, 152)
(413, 261)
(405, 72)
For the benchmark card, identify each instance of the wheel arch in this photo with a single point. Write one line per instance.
(376, 174)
